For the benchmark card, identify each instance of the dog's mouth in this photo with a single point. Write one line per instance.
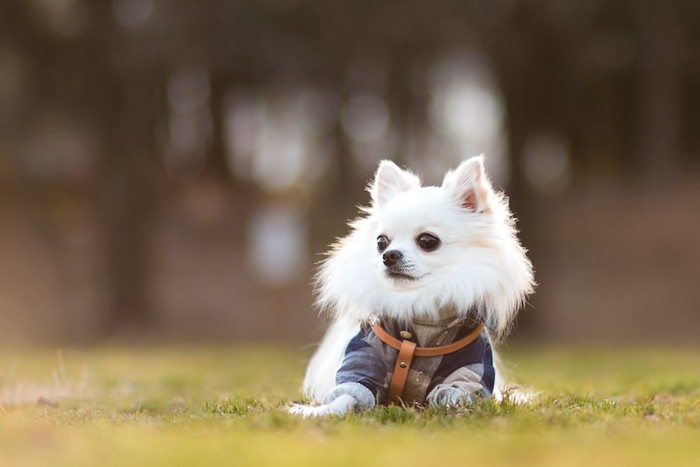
(400, 276)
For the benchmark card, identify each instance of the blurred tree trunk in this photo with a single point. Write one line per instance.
(126, 205)
(128, 101)
(217, 163)
(660, 84)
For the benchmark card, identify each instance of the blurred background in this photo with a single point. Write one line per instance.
(173, 169)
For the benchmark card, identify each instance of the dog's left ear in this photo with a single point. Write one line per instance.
(469, 185)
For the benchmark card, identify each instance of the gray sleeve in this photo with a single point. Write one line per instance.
(459, 388)
(363, 396)
(468, 378)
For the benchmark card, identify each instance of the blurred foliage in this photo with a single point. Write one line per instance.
(116, 122)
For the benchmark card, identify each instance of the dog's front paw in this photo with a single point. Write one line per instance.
(448, 396)
(339, 406)
(308, 411)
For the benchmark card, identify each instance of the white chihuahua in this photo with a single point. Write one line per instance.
(417, 290)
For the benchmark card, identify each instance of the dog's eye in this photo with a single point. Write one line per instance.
(382, 242)
(428, 242)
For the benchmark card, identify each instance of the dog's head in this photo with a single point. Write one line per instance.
(423, 234)
(421, 249)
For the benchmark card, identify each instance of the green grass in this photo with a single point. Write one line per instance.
(224, 406)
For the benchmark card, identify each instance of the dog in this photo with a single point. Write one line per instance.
(425, 270)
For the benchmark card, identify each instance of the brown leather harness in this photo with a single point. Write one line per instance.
(408, 350)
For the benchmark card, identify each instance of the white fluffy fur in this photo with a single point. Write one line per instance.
(480, 261)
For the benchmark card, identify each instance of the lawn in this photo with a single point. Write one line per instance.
(223, 405)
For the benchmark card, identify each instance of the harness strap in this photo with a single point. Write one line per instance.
(401, 369)
(408, 350)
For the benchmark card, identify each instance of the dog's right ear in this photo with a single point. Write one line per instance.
(389, 181)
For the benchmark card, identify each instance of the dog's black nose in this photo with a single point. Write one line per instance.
(391, 257)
